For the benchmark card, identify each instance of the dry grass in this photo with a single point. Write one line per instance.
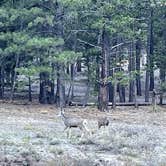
(134, 137)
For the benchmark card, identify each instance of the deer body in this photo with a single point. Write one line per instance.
(103, 122)
(71, 122)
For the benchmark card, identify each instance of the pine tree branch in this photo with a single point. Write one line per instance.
(82, 41)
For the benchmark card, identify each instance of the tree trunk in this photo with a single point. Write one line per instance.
(138, 75)
(154, 100)
(162, 79)
(162, 67)
(79, 66)
(122, 93)
(110, 85)
(103, 94)
(111, 90)
(52, 93)
(147, 84)
(97, 85)
(73, 67)
(114, 90)
(151, 47)
(43, 84)
(1, 82)
(131, 70)
(29, 90)
(72, 81)
(111, 65)
(70, 93)
(62, 102)
(60, 34)
(149, 69)
(57, 86)
(14, 78)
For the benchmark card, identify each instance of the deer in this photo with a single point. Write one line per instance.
(102, 121)
(72, 122)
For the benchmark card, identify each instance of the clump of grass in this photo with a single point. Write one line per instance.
(37, 142)
(105, 148)
(130, 152)
(40, 135)
(26, 140)
(54, 142)
(6, 142)
(65, 160)
(128, 160)
(25, 152)
(56, 151)
(28, 127)
(86, 142)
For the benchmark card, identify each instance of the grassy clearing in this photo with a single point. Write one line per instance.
(134, 137)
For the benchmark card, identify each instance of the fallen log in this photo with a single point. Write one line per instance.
(110, 104)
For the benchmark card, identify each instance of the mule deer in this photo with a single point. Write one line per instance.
(103, 121)
(71, 122)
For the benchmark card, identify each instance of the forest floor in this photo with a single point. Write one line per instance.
(32, 135)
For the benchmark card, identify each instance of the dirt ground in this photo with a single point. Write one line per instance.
(33, 135)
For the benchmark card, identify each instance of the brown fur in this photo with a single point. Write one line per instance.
(103, 122)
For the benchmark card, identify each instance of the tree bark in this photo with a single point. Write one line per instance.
(79, 66)
(1, 82)
(14, 78)
(62, 97)
(111, 66)
(44, 95)
(57, 99)
(29, 90)
(72, 81)
(60, 34)
(122, 93)
(149, 72)
(154, 100)
(52, 93)
(111, 90)
(131, 69)
(151, 47)
(110, 85)
(138, 75)
(103, 91)
(147, 84)
(162, 79)
(114, 89)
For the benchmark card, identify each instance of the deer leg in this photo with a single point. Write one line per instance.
(82, 135)
(88, 132)
(86, 128)
(65, 129)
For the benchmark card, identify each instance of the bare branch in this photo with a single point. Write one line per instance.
(82, 41)
(113, 47)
